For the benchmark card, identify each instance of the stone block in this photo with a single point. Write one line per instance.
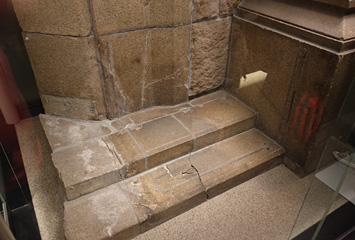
(210, 41)
(164, 192)
(130, 156)
(70, 107)
(124, 58)
(167, 69)
(67, 67)
(104, 214)
(228, 6)
(66, 17)
(86, 168)
(163, 139)
(216, 120)
(63, 132)
(205, 9)
(235, 160)
(154, 61)
(120, 16)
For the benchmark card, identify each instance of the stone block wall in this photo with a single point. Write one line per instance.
(106, 58)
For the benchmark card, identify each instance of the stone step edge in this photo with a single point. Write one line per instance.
(144, 216)
(80, 188)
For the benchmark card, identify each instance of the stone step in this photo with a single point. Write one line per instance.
(135, 205)
(90, 155)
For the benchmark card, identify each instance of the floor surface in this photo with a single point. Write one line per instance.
(265, 207)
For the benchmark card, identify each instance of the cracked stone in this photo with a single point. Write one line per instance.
(86, 168)
(164, 192)
(128, 152)
(230, 162)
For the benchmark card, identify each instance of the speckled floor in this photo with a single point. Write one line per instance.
(265, 207)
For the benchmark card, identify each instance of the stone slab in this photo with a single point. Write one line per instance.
(230, 162)
(131, 157)
(163, 139)
(63, 131)
(104, 214)
(217, 119)
(65, 17)
(67, 67)
(114, 16)
(86, 168)
(210, 41)
(164, 192)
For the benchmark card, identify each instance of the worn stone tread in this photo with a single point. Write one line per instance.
(159, 194)
(140, 141)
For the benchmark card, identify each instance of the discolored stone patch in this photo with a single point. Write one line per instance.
(86, 168)
(165, 192)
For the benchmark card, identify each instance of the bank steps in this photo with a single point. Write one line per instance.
(123, 177)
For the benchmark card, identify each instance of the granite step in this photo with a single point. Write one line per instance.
(132, 206)
(90, 155)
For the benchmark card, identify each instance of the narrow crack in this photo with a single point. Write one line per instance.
(199, 177)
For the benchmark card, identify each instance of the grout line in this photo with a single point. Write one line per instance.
(228, 53)
(140, 147)
(99, 59)
(182, 124)
(190, 53)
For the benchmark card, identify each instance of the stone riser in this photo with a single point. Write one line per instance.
(91, 155)
(135, 205)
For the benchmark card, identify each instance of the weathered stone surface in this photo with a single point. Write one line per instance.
(164, 193)
(67, 67)
(119, 16)
(154, 61)
(205, 9)
(86, 168)
(70, 107)
(62, 131)
(235, 160)
(227, 6)
(217, 120)
(209, 54)
(113, 16)
(163, 139)
(104, 214)
(66, 17)
(130, 156)
(124, 62)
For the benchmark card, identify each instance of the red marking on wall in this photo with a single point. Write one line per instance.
(306, 118)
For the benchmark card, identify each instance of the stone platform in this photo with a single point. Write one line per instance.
(126, 176)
